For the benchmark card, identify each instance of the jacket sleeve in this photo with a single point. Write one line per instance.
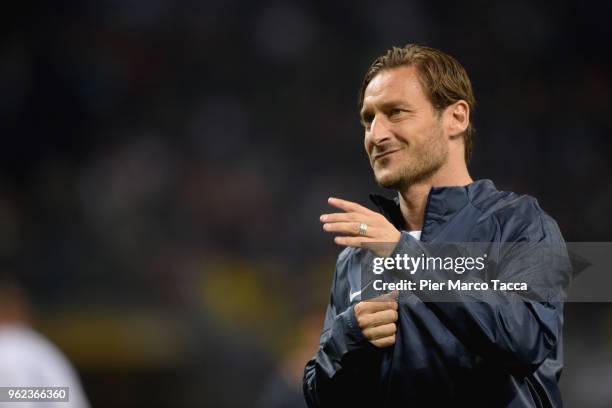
(344, 359)
(513, 332)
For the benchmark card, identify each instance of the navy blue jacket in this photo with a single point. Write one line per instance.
(477, 354)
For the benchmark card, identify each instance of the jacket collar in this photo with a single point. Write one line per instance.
(442, 204)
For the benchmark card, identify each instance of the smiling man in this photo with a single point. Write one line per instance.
(416, 105)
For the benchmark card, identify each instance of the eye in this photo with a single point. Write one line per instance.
(366, 121)
(395, 111)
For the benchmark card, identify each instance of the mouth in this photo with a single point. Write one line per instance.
(383, 154)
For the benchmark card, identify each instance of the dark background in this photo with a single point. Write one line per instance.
(163, 166)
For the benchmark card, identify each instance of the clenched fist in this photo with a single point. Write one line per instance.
(376, 318)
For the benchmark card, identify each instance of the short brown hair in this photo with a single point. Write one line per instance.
(443, 78)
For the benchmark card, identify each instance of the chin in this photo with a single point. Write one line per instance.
(388, 180)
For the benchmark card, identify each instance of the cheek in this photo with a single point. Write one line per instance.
(367, 144)
(417, 131)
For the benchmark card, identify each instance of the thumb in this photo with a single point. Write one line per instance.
(389, 296)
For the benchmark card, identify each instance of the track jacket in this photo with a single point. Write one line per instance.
(498, 353)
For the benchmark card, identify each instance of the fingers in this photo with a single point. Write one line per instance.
(388, 296)
(347, 228)
(354, 242)
(341, 217)
(380, 332)
(348, 206)
(342, 227)
(377, 319)
(367, 307)
(384, 342)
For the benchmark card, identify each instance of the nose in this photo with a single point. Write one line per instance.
(379, 130)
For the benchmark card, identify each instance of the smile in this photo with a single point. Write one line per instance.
(384, 154)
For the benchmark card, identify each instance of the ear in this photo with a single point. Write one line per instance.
(457, 118)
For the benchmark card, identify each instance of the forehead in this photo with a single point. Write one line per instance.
(401, 84)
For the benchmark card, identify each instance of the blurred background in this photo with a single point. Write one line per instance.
(163, 166)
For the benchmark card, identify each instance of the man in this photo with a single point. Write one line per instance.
(28, 359)
(416, 106)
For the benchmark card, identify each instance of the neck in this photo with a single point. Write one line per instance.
(413, 198)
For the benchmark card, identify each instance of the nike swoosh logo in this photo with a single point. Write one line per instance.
(354, 295)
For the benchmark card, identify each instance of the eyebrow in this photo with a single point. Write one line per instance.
(385, 106)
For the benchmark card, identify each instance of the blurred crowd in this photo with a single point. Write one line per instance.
(164, 165)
